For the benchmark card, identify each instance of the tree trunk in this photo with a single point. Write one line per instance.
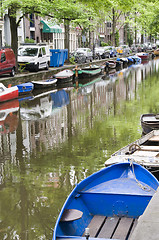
(114, 27)
(14, 33)
(67, 36)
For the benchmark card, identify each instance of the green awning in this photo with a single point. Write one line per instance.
(50, 27)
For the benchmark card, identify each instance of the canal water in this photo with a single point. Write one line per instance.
(53, 140)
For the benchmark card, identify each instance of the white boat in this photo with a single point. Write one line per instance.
(144, 151)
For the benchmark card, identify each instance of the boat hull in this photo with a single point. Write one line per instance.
(9, 94)
(111, 193)
(44, 84)
(149, 122)
(25, 88)
(89, 73)
(144, 151)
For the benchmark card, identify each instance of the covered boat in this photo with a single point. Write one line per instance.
(106, 204)
(144, 151)
(88, 72)
(149, 122)
(8, 93)
(25, 88)
(64, 76)
(51, 82)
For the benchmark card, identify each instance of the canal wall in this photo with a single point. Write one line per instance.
(42, 74)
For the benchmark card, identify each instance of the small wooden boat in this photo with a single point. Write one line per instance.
(144, 151)
(90, 71)
(110, 64)
(44, 83)
(106, 204)
(149, 122)
(64, 76)
(8, 93)
(143, 55)
(25, 88)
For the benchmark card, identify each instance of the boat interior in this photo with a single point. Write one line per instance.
(108, 209)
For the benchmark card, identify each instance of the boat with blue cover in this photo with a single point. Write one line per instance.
(106, 204)
(25, 88)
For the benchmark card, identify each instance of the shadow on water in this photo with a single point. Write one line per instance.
(54, 139)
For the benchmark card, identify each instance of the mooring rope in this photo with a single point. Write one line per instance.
(143, 187)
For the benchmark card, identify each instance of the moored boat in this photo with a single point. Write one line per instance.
(45, 83)
(25, 88)
(149, 122)
(143, 55)
(8, 93)
(144, 151)
(88, 72)
(110, 64)
(106, 204)
(64, 76)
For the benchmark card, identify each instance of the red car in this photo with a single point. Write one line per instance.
(7, 61)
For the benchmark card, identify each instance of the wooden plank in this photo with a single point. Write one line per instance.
(95, 224)
(71, 215)
(154, 138)
(108, 227)
(133, 227)
(145, 153)
(150, 148)
(123, 228)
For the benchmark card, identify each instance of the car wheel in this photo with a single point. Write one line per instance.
(12, 74)
(36, 68)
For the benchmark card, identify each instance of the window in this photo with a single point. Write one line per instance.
(3, 57)
(44, 51)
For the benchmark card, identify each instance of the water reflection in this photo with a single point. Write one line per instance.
(62, 136)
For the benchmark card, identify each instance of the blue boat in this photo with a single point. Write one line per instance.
(25, 88)
(106, 204)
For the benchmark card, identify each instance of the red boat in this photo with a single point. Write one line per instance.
(143, 55)
(8, 93)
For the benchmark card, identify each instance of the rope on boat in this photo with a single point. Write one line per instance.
(143, 187)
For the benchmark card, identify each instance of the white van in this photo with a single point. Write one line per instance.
(34, 57)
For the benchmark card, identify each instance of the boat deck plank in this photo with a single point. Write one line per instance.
(96, 224)
(123, 228)
(111, 227)
(108, 227)
(154, 138)
(150, 148)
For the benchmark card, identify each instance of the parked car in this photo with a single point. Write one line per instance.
(7, 61)
(87, 52)
(34, 57)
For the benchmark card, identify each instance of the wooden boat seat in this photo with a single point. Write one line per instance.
(111, 227)
(71, 215)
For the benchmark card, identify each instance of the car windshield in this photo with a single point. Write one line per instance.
(28, 52)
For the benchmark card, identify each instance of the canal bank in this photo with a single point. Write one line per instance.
(41, 75)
